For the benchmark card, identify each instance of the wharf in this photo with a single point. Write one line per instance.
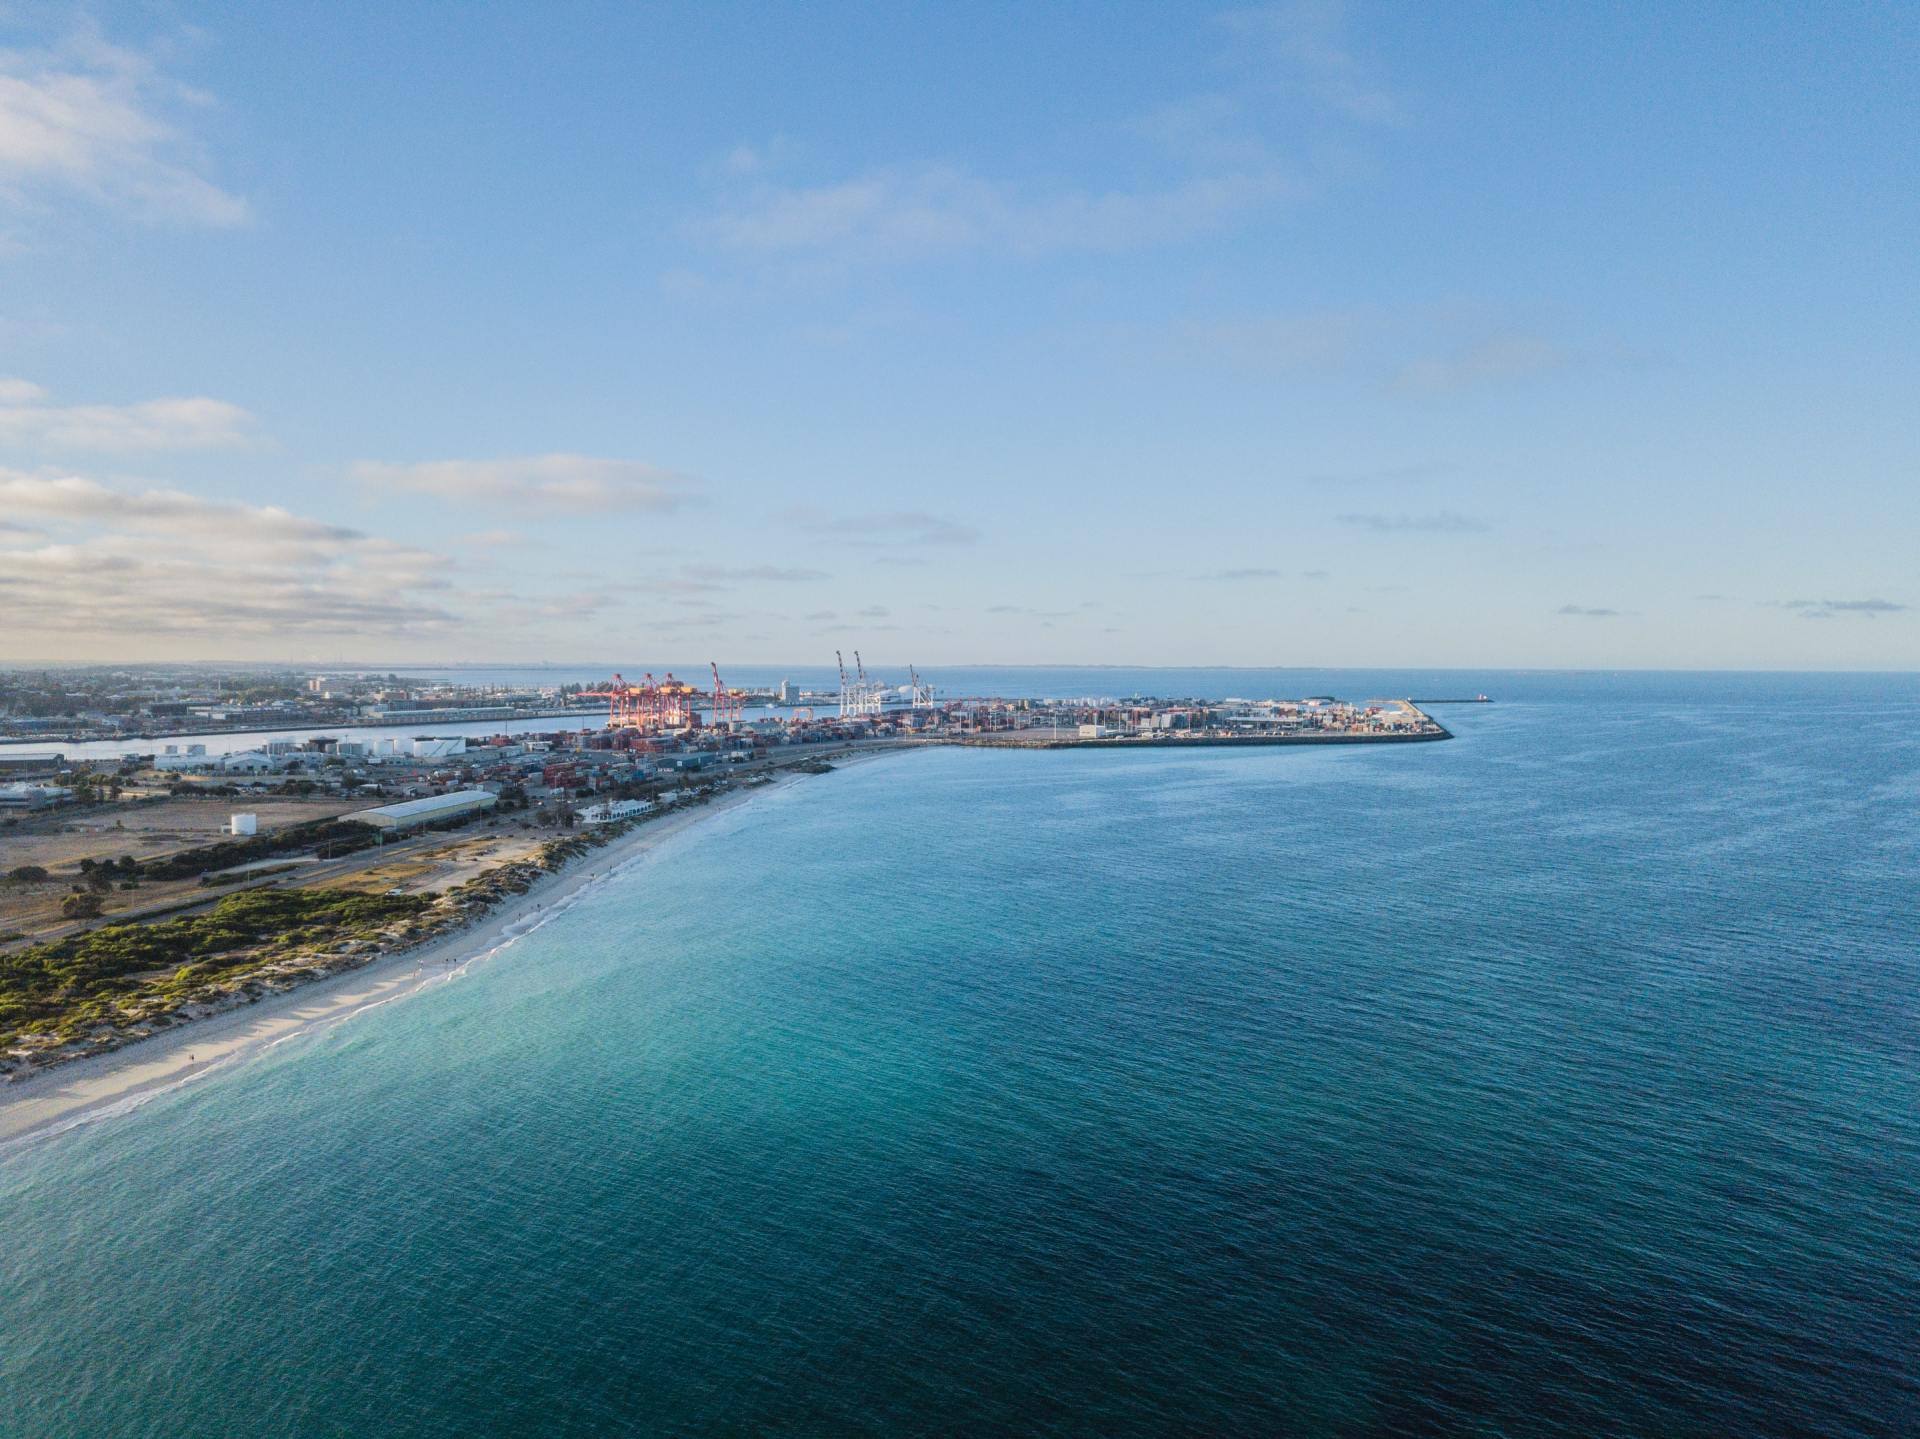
(1031, 739)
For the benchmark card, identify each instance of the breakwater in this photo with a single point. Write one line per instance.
(1038, 741)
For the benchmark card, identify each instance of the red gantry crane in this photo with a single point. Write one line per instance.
(651, 705)
(727, 704)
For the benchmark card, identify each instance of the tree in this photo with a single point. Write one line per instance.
(27, 873)
(81, 906)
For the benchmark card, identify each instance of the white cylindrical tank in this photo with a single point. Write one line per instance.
(244, 824)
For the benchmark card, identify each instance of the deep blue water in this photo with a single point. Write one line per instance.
(1562, 1079)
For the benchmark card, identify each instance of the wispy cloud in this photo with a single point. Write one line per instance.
(1501, 358)
(94, 120)
(136, 565)
(561, 482)
(80, 499)
(191, 422)
(773, 574)
(895, 527)
(1201, 165)
(1591, 612)
(1317, 343)
(1305, 47)
(491, 539)
(1032, 612)
(707, 579)
(1248, 573)
(1838, 609)
(913, 212)
(1442, 522)
(1388, 475)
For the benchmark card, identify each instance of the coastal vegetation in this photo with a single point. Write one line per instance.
(118, 982)
(327, 837)
(122, 976)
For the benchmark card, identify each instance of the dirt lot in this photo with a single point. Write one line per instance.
(421, 864)
(60, 839)
(433, 867)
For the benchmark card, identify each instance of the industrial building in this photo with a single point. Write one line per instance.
(412, 813)
(16, 797)
(611, 810)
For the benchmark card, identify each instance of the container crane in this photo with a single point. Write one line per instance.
(650, 705)
(727, 704)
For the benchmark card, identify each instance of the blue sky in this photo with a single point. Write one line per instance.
(1315, 334)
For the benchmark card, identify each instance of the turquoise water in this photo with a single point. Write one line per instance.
(1559, 1080)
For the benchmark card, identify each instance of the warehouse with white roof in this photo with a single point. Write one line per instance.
(412, 813)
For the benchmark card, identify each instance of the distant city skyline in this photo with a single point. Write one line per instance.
(1307, 335)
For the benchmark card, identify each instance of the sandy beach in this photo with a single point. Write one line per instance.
(86, 1088)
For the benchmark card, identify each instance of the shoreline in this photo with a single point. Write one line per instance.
(64, 1095)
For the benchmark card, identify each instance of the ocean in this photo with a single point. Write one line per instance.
(1563, 1079)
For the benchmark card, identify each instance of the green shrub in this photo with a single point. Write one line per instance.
(330, 836)
(54, 987)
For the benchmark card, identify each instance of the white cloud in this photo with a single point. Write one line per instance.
(124, 597)
(79, 499)
(561, 482)
(187, 422)
(116, 570)
(91, 119)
